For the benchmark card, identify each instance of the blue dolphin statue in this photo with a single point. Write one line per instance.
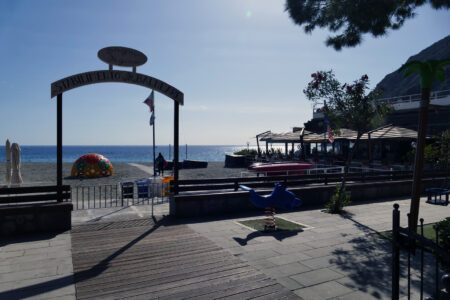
(280, 197)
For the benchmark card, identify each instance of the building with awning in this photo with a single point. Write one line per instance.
(286, 138)
(383, 143)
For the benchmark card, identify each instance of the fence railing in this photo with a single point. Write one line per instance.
(320, 170)
(404, 237)
(119, 195)
(295, 180)
(415, 97)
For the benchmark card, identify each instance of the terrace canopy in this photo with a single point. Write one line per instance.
(284, 138)
(389, 132)
(343, 134)
(383, 132)
(386, 133)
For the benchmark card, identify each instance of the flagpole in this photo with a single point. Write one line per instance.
(154, 160)
(150, 101)
(325, 125)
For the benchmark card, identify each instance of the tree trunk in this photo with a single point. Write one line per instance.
(347, 164)
(418, 161)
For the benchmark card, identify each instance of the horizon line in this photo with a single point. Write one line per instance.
(180, 145)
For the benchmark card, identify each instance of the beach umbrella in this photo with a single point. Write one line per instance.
(8, 162)
(16, 178)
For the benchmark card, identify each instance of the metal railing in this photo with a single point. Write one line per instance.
(223, 184)
(313, 171)
(412, 98)
(411, 241)
(366, 170)
(119, 195)
(415, 97)
(329, 170)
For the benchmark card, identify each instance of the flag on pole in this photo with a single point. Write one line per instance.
(330, 135)
(152, 119)
(150, 101)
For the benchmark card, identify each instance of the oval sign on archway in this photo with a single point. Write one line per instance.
(122, 56)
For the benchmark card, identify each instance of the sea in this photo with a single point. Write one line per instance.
(210, 153)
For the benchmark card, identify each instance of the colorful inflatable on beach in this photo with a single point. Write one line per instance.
(92, 165)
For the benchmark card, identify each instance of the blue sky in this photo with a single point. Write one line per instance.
(241, 64)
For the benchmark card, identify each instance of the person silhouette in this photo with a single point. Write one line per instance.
(160, 162)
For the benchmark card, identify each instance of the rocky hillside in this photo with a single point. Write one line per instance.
(395, 85)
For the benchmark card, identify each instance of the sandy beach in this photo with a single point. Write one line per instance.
(44, 173)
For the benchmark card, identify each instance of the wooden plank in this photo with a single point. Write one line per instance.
(159, 261)
(230, 291)
(115, 274)
(205, 288)
(131, 283)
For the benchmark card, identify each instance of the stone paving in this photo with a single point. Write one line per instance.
(37, 267)
(338, 258)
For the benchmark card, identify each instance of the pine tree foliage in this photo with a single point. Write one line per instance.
(350, 19)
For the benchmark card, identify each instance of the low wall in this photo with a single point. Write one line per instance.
(28, 218)
(220, 203)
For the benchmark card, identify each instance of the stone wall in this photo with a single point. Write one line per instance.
(30, 218)
(210, 204)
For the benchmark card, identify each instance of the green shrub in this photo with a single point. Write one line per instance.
(444, 238)
(338, 201)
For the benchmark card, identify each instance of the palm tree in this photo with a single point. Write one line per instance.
(429, 71)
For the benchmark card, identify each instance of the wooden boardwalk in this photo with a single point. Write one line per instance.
(139, 259)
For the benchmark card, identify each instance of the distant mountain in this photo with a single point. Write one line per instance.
(395, 85)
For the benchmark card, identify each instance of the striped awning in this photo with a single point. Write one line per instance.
(384, 132)
(287, 137)
(390, 132)
(343, 134)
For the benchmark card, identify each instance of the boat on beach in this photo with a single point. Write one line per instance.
(281, 168)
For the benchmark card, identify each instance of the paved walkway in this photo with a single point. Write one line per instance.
(339, 258)
(37, 267)
(140, 259)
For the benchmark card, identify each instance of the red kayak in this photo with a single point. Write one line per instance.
(274, 169)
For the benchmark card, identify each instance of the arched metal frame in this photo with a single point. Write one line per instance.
(93, 77)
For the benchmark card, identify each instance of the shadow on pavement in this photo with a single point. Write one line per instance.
(369, 265)
(50, 285)
(279, 235)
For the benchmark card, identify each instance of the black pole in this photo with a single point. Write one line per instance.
(175, 144)
(257, 144)
(59, 147)
(154, 149)
(325, 123)
(369, 145)
(395, 253)
(302, 146)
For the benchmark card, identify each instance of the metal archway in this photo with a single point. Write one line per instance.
(94, 77)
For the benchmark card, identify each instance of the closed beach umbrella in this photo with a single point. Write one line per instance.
(8, 162)
(16, 178)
